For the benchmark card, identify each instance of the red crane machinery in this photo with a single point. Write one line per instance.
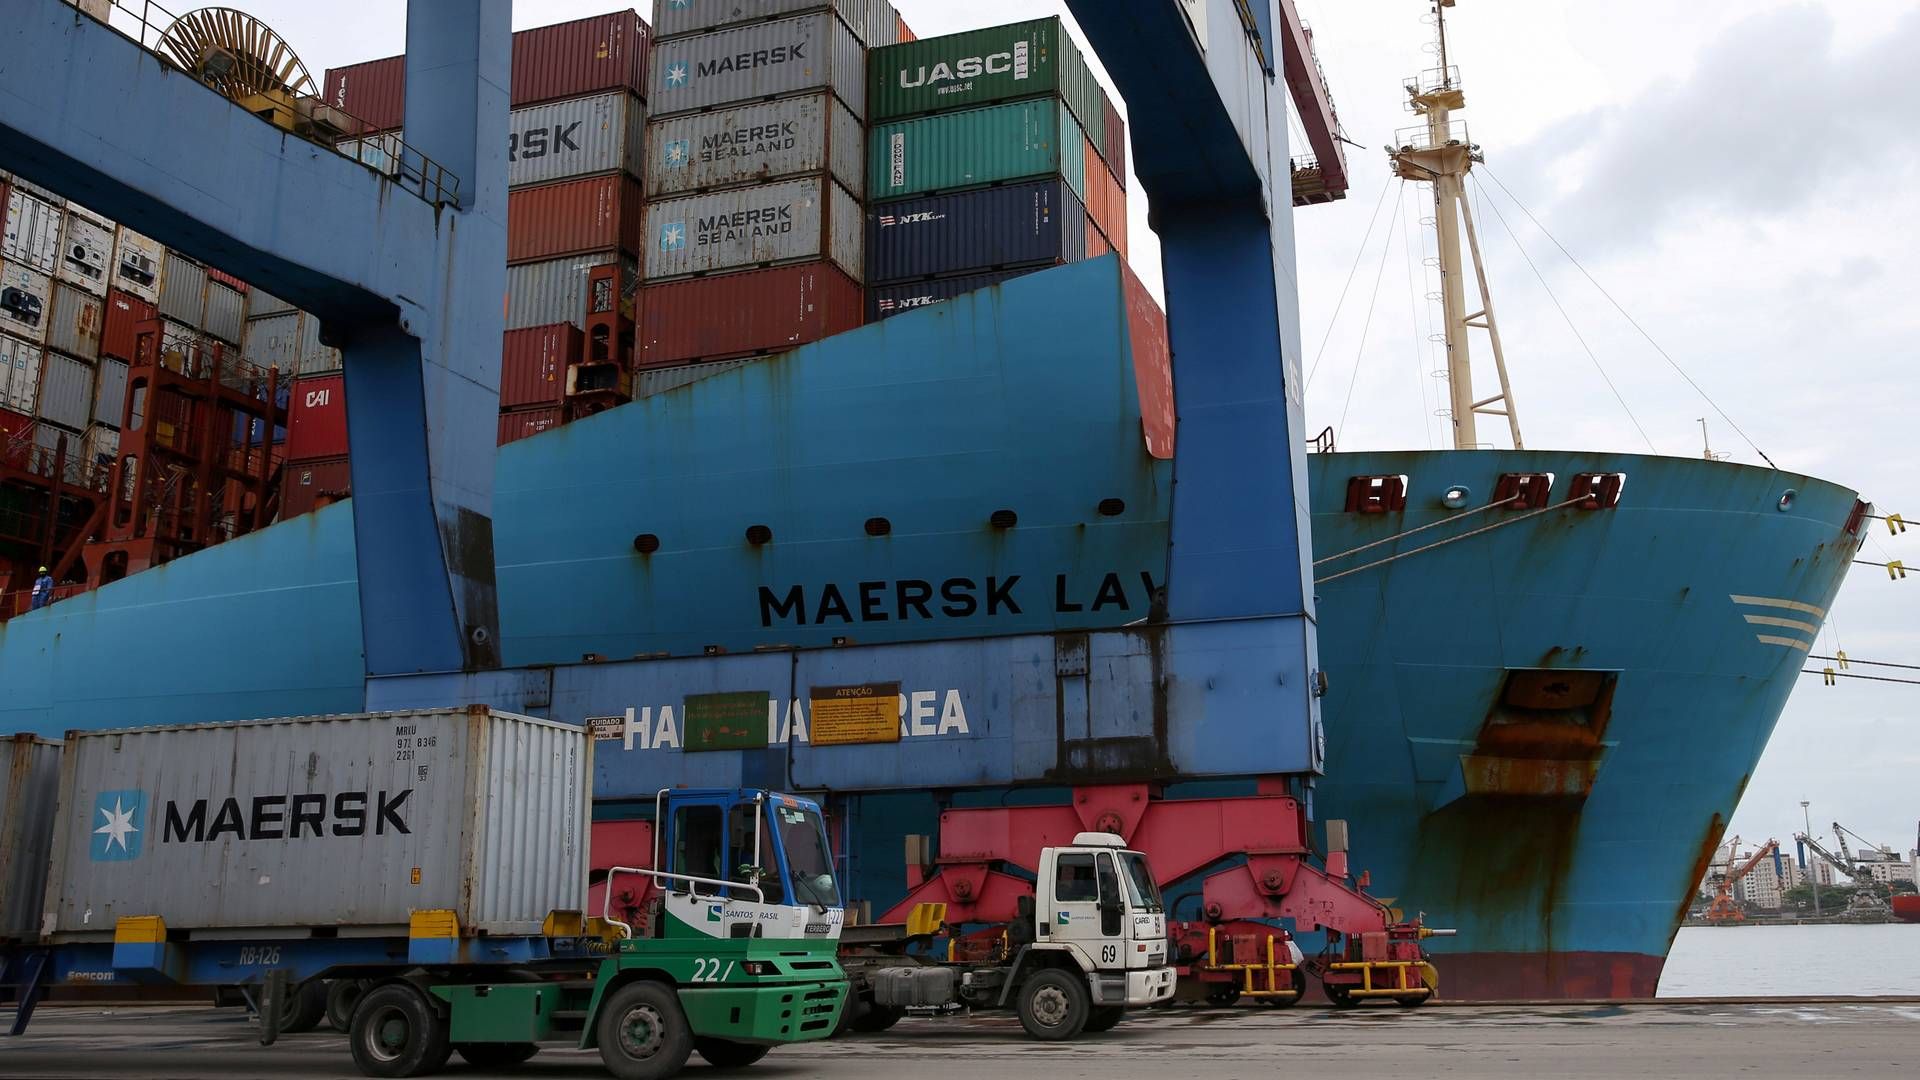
(1322, 176)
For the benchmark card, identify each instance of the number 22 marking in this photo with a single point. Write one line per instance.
(708, 969)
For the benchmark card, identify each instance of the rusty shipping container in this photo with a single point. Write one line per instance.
(75, 323)
(29, 794)
(556, 290)
(137, 261)
(580, 137)
(86, 251)
(312, 485)
(755, 144)
(783, 222)
(124, 313)
(317, 418)
(517, 424)
(747, 314)
(533, 364)
(575, 217)
(758, 61)
(874, 22)
(26, 301)
(345, 821)
(1106, 202)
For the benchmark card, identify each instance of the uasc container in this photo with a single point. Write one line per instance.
(1020, 224)
(753, 144)
(349, 821)
(977, 67)
(29, 790)
(746, 314)
(974, 148)
(760, 60)
(788, 221)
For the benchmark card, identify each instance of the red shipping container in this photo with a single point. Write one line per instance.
(520, 423)
(1106, 202)
(125, 311)
(906, 32)
(11, 424)
(570, 59)
(1116, 147)
(227, 279)
(309, 485)
(1096, 244)
(533, 364)
(575, 217)
(1152, 364)
(317, 418)
(760, 311)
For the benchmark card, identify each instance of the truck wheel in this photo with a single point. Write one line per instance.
(1338, 994)
(495, 1055)
(1054, 1004)
(342, 996)
(306, 1006)
(1223, 995)
(873, 1019)
(1104, 1019)
(643, 1033)
(398, 1032)
(1299, 991)
(722, 1054)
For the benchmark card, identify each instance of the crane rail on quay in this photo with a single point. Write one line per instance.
(1191, 739)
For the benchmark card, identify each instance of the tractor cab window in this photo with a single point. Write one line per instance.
(750, 855)
(1073, 881)
(696, 847)
(809, 866)
(1146, 893)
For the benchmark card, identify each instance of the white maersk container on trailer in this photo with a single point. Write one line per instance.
(29, 779)
(349, 823)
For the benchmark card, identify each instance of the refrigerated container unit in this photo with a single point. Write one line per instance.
(754, 313)
(974, 148)
(873, 22)
(66, 392)
(756, 62)
(29, 794)
(110, 392)
(575, 217)
(757, 143)
(317, 418)
(31, 237)
(75, 323)
(309, 485)
(25, 297)
(886, 301)
(86, 251)
(517, 424)
(556, 290)
(183, 290)
(137, 261)
(19, 374)
(534, 362)
(1033, 224)
(791, 221)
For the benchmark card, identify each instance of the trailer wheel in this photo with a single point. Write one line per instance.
(490, 1055)
(1054, 1004)
(1223, 995)
(1410, 1001)
(398, 1032)
(1299, 991)
(342, 996)
(873, 1018)
(1104, 1019)
(722, 1054)
(643, 1033)
(306, 1007)
(1338, 994)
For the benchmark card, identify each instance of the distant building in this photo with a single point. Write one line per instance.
(1765, 888)
(1887, 871)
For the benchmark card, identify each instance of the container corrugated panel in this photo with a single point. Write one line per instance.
(110, 392)
(663, 380)
(48, 436)
(1115, 150)
(261, 302)
(226, 316)
(581, 137)
(29, 794)
(522, 423)
(323, 822)
(315, 358)
(1020, 224)
(273, 341)
(575, 217)
(66, 391)
(760, 60)
(32, 234)
(1152, 363)
(748, 314)
(86, 252)
(44, 194)
(787, 221)
(1106, 201)
(1096, 244)
(26, 302)
(601, 52)
(317, 418)
(19, 374)
(978, 67)
(74, 327)
(373, 92)
(124, 314)
(886, 301)
(310, 485)
(555, 290)
(755, 144)
(137, 261)
(183, 289)
(533, 364)
(874, 21)
(974, 148)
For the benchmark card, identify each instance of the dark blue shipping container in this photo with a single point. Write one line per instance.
(886, 300)
(1021, 224)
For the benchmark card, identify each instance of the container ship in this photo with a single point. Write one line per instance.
(847, 352)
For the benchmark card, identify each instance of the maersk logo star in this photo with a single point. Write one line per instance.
(673, 236)
(676, 74)
(677, 153)
(679, 5)
(116, 837)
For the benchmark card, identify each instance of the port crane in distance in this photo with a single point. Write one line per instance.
(1723, 909)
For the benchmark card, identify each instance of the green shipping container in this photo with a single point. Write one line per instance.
(976, 148)
(981, 67)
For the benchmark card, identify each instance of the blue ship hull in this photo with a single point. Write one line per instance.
(1558, 821)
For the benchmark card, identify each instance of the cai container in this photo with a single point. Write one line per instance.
(533, 364)
(1036, 222)
(29, 794)
(309, 485)
(19, 374)
(342, 822)
(973, 148)
(519, 424)
(66, 391)
(26, 301)
(886, 301)
(756, 61)
(874, 22)
(86, 251)
(31, 237)
(317, 418)
(580, 137)
(137, 261)
(743, 228)
(74, 325)
(746, 314)
(757, 143)
(183, 289)
(575, 217)
(555, 290)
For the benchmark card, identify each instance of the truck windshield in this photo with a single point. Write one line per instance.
(809, 864)
(1140, 881)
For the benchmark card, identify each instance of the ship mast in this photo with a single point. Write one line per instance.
(1439, 153)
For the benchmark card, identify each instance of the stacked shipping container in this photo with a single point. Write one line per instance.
(993, 153)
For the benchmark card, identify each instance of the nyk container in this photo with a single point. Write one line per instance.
(555, 290)
(310, 485)
(757, 143)
(533, 364)
(787, 221)
(338, 822)
(520, 423)
(183, 289)
(74, 324)
(874, 22)
(29, 793)
(124, 314)
(759, 60)
(25, 296)
(747, 314)
(32, 234)
(19, 374)
(1020, 224)
(974, 148)
(137, 261)
(86, 251)
(110, 392)
(575, 217)
(317, 418)
(582, 137)
(549, 63)
(66, 391)
(886, 301)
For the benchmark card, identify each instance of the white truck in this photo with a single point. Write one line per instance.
(1086, 946)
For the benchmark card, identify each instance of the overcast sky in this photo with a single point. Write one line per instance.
(1739, 174)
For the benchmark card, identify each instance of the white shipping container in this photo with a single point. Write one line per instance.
(74, 324)
(137, 261)
(760, 60)
(19, 374)
(29, 789)
(183, 289)
(226, 316)
(873, 21)
(261, 302)
(554, 291)
(350, 821)
(580, 137)
(32, 234)
(788, 221)
(47, 195)
(754, 144)
(315, 358)
(26, 300)
(274, 341)
(110, 392)
(66, 392)
(86, 251)
(101, 445)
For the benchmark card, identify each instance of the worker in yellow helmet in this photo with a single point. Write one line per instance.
(42, 591)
